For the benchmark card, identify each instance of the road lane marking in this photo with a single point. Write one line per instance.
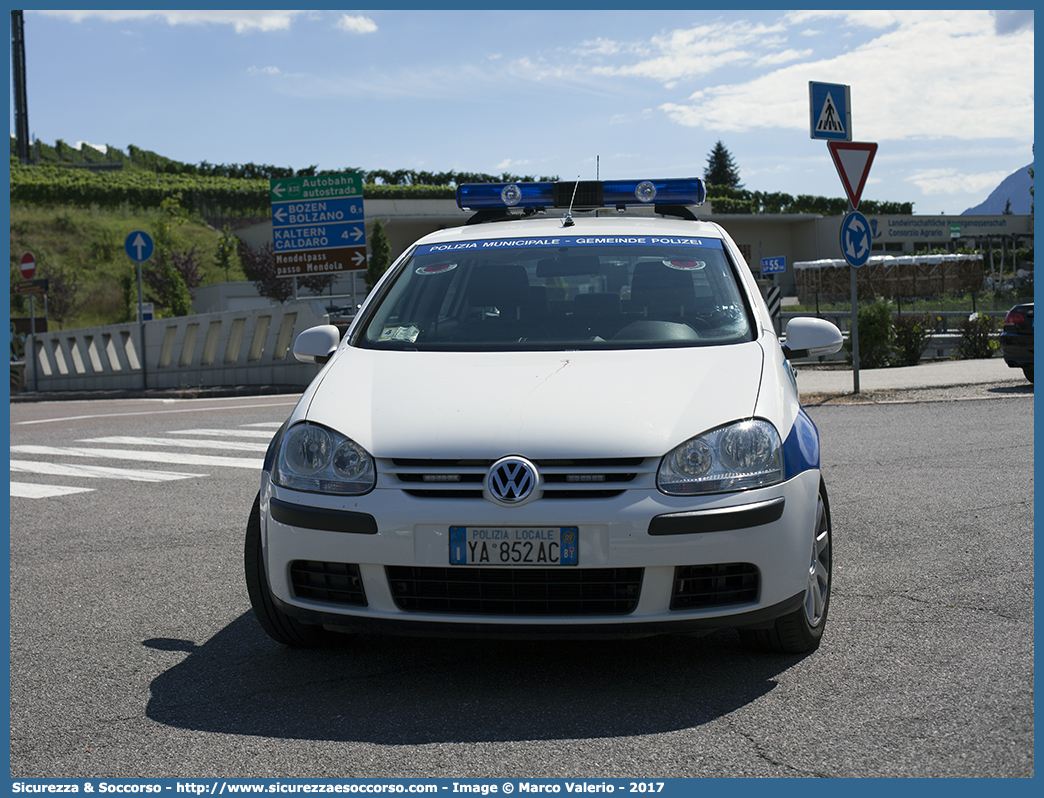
(156, 412)
(149, 457)
(97, 472)
(23, 490)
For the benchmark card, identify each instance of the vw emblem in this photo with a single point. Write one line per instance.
(511, 480)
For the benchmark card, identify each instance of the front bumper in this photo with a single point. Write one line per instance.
(750, 549)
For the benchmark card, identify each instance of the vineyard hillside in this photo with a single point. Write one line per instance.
(74, 207)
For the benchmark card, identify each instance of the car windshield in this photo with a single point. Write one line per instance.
(575, 292)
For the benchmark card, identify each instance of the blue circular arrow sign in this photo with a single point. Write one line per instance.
(139, 246)
(855, 239)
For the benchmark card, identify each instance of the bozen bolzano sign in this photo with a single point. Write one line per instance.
(318, 224)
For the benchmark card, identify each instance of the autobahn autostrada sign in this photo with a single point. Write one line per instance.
(318, 225)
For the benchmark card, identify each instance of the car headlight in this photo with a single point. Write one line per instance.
(317, 459)
(747, 454)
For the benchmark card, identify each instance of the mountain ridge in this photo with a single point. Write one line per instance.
(1015, 187)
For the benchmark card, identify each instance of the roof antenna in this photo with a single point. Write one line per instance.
(567, 220)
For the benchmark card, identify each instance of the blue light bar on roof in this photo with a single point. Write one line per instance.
(678, 191)
(586, 194)
(505, 195)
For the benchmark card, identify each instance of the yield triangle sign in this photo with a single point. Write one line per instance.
(853, 160)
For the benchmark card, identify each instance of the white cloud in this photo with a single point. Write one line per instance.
(782, 57)
(510, 163)
(598, 46)
(950, 181)
(242, 21)
(691, 52)
(860, 18)
(935, 74)
(356, 24)
(269, 70)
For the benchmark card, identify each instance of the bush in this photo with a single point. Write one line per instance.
(977, 339)
(912, 333)
(876, 336)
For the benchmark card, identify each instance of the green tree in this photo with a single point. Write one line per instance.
(379, 255)
(721, 169)
(170, 273)
(63, 294)
(226, 250)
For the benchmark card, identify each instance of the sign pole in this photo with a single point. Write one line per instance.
(855, 333)
(141, 332)
(139, 246)
(856, 244)
(32, 330)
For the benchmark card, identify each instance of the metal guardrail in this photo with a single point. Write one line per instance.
(943, 343)
(249, 347)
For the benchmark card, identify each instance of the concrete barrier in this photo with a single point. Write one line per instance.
(246, 347)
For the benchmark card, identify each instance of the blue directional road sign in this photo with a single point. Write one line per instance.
(321, 211)
(855, 238)
(318, 236)
(830, 111)
(776, 265)
(139, 246)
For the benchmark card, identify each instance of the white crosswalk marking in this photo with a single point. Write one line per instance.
(24, 490)
(121, 440)
(226, 433)
(168, 449)
(97, 472)
(147, 457)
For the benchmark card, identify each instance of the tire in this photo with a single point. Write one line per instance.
(1028, 371)
(277, 624)
(802, 630)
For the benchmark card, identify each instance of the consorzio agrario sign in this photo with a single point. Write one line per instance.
(929, 228)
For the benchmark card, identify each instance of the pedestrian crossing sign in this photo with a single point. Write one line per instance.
(830, 111)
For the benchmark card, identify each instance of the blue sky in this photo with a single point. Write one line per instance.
(947, 95)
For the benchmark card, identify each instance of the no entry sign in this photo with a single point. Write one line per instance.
(28, 265)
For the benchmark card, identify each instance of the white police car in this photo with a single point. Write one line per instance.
(565, 417)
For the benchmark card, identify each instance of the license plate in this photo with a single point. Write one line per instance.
(513, 546)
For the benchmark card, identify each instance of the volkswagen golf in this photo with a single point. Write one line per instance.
(569, 416)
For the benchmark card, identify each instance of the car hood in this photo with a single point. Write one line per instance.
(535, 404)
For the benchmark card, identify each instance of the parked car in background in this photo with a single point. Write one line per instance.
(1016, 340)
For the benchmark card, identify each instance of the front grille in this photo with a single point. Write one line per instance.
(601, 478)
(703, 586)
(516, 591)
(332, 582)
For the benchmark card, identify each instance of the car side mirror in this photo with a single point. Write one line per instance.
(317, 344)
(809, 337)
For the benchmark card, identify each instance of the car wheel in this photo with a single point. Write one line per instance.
(802, 630)
(280, 627)
(1028, 371)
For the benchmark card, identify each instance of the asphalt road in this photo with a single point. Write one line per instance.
(134, 652)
